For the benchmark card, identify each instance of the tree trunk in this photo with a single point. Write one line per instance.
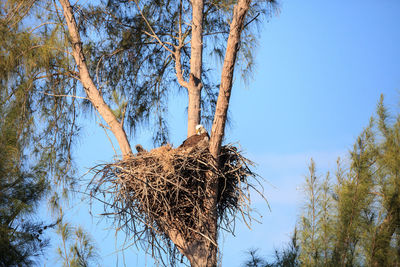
(232, 47)
(203, 251)
(217, 133)
(380, 251)
(90, 88)
(193, 109)
(196, 59)
(200, 252)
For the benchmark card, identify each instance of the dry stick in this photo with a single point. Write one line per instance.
(40, 25)
(74, 96)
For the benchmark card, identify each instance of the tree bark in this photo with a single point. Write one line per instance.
(193, 109)
(217, 133)
(203, 252)
(91, 90)
(380, 251)
(196, 60)
(236, 27)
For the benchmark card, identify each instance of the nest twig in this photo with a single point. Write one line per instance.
(166, 188)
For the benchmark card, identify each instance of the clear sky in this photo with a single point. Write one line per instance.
(321, 67)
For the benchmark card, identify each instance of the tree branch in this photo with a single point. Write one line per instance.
(73, 96)
(177, 54)
(153, 34)
(91, 90)
(178, 68)
(236, 27)
(196, 60)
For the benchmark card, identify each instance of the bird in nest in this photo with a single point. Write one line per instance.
(201, 135)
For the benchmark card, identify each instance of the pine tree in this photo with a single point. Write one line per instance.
(36, 128)
(122, 60)
(353, 221)
(357, 222)
(21, 233)
(287, 257)
(78, 249)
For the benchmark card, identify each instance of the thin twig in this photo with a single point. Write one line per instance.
(154, 35)
(74, 96)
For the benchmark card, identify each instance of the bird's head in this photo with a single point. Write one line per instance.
(200, 129)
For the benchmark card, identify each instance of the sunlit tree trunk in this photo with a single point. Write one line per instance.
(196, 60)
(232, 48)
(204, 252)
(91, 90)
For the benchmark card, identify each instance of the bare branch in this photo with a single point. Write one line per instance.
(178, 68)
(42, 24)
(91, 90)
(178, 54)
(154, 35)
(74, 96)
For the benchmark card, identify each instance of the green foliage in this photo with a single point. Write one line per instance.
(288, 257)
(254, 260)
(33, 67)
(78, 249)
(126, 56)
(122, 56)
(310, 221)
(21, 237)
(354, 221)
(37, 126)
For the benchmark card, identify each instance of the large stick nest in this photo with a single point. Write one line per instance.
(153, 192)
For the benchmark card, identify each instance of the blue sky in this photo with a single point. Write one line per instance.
(321, 67)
